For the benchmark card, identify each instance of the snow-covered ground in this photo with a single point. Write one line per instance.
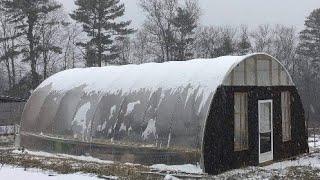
(17, 173)
(187, 168)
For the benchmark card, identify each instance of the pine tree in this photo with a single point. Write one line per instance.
(28, 14)
(309, 46)
(185, 23)
(227, 46)
(309, 51)
(98, 18)
(244, 45)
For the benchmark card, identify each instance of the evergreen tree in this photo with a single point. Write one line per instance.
(28, 14)
(244, 45)
(185, 23)
(98, 20)
(309, 51)
(309, 46)
(227, 46)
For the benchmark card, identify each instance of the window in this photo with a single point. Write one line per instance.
(239, 77)
(241, 122)
(250, 72)
(286, 116)
(263, 70)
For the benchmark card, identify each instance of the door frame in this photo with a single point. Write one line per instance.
(268, 156)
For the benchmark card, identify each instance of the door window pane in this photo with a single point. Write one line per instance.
(265, 119)
(265, 125)
(265, 142)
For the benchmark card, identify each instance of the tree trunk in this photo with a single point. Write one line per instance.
(100, 49)
(65, 59)
(6, 49)
(13, 70)
(100, 57)
(73, 59)
(32, 55)
(12, 64)
(9, 72)
(45, 65)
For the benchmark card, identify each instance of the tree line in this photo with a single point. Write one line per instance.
(38, 39)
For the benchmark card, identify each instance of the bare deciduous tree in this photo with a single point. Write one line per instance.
(141, 44)
(207, 40)
(72, 53)
(9, 48)
(171, 26)
(285, 42)
(262, 39)
(51, 29)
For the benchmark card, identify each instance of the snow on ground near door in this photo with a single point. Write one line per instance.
(16, 173)
(298, 168)
(303, 167)
(187, 168)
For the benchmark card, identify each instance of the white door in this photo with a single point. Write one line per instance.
(265, 131)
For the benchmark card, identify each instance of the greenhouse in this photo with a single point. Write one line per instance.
(221, 113)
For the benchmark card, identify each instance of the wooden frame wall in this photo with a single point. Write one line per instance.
(218, 147)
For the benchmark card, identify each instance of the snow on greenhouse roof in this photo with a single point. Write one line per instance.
(204, 73)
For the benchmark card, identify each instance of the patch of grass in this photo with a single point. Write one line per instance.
(303, 172)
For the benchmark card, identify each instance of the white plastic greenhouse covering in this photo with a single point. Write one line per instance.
(164, 105)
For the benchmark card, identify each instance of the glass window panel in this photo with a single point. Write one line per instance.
(263, 68)
(228, 81)
(265, 123)
(239, 75)
(237, 126)
(286, 116)
(275, 73)
(240, 121)
(251, 74)
(237, 103)
(283, 77)
(265, 142)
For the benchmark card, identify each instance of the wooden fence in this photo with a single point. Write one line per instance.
(10, 113)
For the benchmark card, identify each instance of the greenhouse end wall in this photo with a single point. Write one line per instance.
(220, 155)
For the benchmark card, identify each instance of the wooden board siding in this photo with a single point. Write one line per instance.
(218, 150)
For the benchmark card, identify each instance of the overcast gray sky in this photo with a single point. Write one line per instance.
(236, 12)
